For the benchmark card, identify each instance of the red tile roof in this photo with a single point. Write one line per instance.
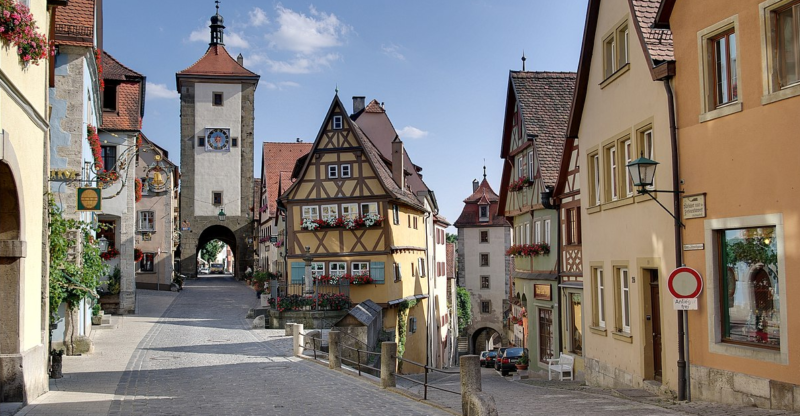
(114, 69)
(130, 95)
(74, 23)
(278, 162)
(217, 62)
(658, 41)
(470, 215)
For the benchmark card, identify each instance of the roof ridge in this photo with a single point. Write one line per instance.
(105, 53)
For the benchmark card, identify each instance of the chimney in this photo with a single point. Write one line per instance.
(474, 185)
(240, 60)
(358, 104)
(398, 173)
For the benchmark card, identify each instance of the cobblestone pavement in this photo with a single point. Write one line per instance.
(201, 358)
(538, 395)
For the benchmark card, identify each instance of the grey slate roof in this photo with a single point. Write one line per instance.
(365, 312)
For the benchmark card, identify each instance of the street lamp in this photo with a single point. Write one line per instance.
(102, 244)
(308, 279)
(643, 173)
(221, 214)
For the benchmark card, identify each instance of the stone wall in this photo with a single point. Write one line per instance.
(714, 385)
(603, 374)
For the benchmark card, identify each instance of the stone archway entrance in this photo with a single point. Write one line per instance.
(221, 233)
(11, 253)
(484, 336)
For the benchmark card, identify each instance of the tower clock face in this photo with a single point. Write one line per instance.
(218, 139)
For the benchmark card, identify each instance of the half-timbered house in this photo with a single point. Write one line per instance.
(352, 211)
(537, 108)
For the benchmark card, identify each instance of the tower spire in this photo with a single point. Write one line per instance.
(484, 169)
(217, 28)
(523, 60)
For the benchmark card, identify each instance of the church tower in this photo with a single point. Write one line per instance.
(217, 111)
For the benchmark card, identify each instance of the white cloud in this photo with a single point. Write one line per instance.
(161, 91)
(231, 38)
(258, 17)
(302, 64)
(409, 132)
(281, 85)
(393, 51)
(301, 33)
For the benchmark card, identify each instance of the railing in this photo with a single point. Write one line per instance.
(281, 288)
(313, 344)
(74, 30)
(357, 362)
(425, 382)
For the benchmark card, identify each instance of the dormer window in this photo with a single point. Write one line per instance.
(337, 122)
(110, 96)
(484, 212)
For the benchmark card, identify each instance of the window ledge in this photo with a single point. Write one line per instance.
(618, 203)
(592, 210)
(623, 336)
(721, 111)
(598, 330)
(615, 75)
(782, 94)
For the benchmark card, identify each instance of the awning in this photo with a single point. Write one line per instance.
(535, 276)
(571, 285)
(412, 297)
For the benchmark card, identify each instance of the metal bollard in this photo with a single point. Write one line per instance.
(334, 359)
(470, 379)
(388, 364)
(297, 338)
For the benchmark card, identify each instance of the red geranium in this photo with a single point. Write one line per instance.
(97, 151)
(110, 254)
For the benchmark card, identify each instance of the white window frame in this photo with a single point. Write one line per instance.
(708, 108)
(372, 207)
(520, 171)
(613, 174)
(333, 171)
(537, 232)
(317, 269)
(338, 122)
(359, 268)
(547, 231)
(344, 170)
(311, 212)
(773, 90)
(526, 233)
(596, 169)
(601, 298)
(530, 165)
(625, 299)
(338, 268)
(145, 225)
(329, 212)
(481, 209)
(349, 211)
(627, 145)
(423, 271)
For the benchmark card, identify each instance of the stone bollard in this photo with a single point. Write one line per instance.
(470, 379)
(289, 329)
(334, 359)
(388, 364)
(297, 338)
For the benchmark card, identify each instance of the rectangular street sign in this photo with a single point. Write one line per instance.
(685, 304)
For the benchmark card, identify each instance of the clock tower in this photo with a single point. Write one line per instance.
(217, 110)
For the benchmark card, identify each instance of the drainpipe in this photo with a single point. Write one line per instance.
(683, 353)
(431, 300)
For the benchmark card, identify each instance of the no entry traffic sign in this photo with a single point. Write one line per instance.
(685, 283)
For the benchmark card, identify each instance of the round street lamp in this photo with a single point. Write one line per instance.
(643, 172)
(221, 214)
(102, 244)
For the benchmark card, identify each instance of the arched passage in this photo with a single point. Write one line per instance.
(485, 339)
(217, 232)
(11, 252)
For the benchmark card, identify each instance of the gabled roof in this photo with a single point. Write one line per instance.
(278, 159)
(372, 154)
(216, 63)
(656, 44)
(130, 93)
(374, 122)
(470, 215)
(115, 70)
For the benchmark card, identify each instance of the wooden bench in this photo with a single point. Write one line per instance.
(563, 364)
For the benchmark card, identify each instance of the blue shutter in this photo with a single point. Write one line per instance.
(376, 272)
(298, 270)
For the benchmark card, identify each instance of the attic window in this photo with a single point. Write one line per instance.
(484, 211)
(337, 122)
(110, 97)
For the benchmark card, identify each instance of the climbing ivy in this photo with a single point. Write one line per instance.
(70, 282)
(402, 328)
(464, 309)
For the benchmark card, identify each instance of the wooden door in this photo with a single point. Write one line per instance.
(655, 302)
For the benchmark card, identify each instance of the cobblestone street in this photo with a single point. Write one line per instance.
(201, 358)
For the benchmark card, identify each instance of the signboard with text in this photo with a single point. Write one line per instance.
(694, 206)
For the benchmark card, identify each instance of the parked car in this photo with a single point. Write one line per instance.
(499, 356)
(217, 268)
(203, 270)
(509, 361)
(491, 357)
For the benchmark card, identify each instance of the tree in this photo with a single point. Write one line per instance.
(452, 238)
(210, 251)
(464, 309)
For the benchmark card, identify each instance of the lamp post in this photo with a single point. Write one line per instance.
(308, 281)
(221, 214)
(643, 173)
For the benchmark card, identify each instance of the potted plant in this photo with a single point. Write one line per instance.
(97, 314)
(522, 362)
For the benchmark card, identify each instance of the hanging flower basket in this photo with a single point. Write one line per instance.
(94, 143)
(137, 255)
(106, 178)
(528, 250)
(18, 27)
(138, 190)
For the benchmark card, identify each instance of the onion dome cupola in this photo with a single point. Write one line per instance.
(217, 28)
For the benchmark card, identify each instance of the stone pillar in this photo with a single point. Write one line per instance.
(297, 338)
(470, 379)
(289, 329)
(388, 364)
(334, 359)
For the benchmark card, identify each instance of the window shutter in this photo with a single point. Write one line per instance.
(376, 272)
(298, 270)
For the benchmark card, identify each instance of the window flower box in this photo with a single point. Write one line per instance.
(528, 250)
(519, 184)
(350, 223)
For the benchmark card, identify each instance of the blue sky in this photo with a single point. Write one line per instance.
(440, 67)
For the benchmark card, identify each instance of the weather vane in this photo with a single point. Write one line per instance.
(217, 1)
